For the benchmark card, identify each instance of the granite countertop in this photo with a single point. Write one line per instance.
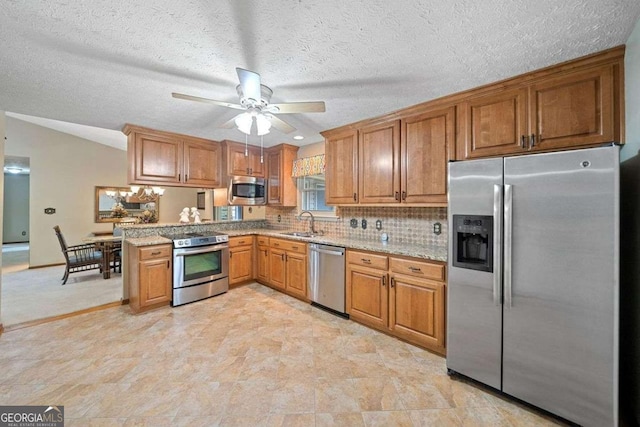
(393, 248)
(147, 241)
(407, 249)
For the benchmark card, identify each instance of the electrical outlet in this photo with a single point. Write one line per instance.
(378, 225)
(353, 223)
(279, 218)
(437, 228)
(364, 224)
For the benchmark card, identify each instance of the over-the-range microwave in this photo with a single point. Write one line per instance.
(247, 190)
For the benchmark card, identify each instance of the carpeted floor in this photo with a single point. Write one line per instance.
(38, 293)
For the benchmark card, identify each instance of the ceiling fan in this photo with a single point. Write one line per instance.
(254, 99)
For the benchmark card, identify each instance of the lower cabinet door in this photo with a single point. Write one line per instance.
(366, 298)
(263, 264)
(416, 311)
(240, 264)
(277, 268)
(155, 281)
(296, 272)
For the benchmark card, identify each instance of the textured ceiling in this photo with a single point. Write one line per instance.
(107, 63)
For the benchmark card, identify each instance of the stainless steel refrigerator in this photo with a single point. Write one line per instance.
(533, 284)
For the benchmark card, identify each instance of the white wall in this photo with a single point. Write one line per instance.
(632, 95)
(311, 150)
(16, 213)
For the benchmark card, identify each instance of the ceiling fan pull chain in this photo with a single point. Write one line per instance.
(246, 148)
(261, 149)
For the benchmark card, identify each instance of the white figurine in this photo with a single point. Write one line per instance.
(184, 216)
(195, 215)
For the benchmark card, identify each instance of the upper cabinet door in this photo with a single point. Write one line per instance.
(257, 162)
(341, 173)
(156, 159)
(379, 159)
(493, 124)
(573, 110)
(237, 160)
(202, 163)
(426, 139)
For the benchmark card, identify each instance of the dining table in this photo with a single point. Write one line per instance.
(106, 245)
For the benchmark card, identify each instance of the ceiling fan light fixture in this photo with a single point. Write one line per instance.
(244, 122)
(263, 124)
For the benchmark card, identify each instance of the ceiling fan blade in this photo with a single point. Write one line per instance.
(250, 83)
(207, 100)
(299, 107)
(280, 124)
(229, 124)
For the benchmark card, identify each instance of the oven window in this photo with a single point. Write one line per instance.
(202, 265)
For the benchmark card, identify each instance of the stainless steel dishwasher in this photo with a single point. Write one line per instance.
(326, 277)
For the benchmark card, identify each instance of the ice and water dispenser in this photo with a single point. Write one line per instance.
(473, 242)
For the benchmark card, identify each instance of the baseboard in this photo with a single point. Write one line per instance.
(33, 267)
(61, 316)
(125, 301)
(1, 329)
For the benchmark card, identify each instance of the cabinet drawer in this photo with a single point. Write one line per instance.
(263, 241)
(417, 268)
(367, 259)
(154, 252)
(240, 241)
(290, 245)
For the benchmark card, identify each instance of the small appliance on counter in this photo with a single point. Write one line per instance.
(200, 266)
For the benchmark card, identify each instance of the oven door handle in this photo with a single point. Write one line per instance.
(210, 248)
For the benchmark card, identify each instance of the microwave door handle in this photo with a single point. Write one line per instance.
(210, 248)
(497, 244)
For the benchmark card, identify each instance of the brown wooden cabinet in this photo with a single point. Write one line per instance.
(157, 158)
(426, 142)
(398, 161)
(149, 276)
(417, 302)
(287, 267)
(281, 186)
(574, 108)
(240, 259)
(262, 259)
(493, 124)
(341, 172)
(402, 296)
(243, 160)
(379, 163)
(277, 272)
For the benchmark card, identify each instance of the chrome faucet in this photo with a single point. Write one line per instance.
(311, 221)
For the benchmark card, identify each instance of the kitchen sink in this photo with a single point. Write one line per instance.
(298, 234)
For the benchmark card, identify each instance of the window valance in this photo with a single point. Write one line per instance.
(308, 166)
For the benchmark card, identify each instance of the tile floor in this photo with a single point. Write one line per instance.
(250, 357)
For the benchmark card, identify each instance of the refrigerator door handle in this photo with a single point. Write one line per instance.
(508, 234)
(497, 244)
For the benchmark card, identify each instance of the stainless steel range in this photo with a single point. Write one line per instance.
(200, 266)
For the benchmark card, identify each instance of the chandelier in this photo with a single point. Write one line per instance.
(146, 193)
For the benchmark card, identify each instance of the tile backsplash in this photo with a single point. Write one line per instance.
(402, 224)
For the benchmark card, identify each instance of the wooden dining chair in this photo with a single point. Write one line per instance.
(78, 257)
